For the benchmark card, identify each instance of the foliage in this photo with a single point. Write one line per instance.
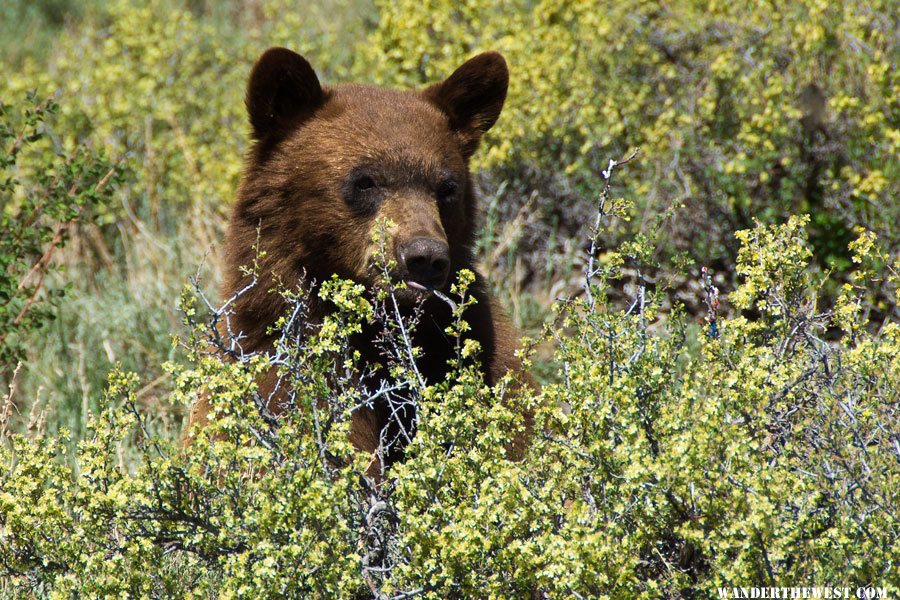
(38, 21)
(767, 457)
(744, 110)
(44, 191)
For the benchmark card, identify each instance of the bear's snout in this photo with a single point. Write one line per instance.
(425, 262)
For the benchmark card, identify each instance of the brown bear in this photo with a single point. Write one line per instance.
(328, 163)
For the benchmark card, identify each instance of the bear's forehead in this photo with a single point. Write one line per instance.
(395, 110)
(361, 121)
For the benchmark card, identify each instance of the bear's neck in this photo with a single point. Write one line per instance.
(437, 347)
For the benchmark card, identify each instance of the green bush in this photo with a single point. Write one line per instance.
(744, 110)
(39, 22)
(766, 457)
(44, 192)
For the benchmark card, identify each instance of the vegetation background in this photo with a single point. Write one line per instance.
(735, 425)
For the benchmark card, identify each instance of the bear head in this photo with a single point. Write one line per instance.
(331, 164)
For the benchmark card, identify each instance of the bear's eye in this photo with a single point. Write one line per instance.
(364, 184)
(446, 191)
(361, 192)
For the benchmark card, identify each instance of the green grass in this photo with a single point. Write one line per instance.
(122, 315)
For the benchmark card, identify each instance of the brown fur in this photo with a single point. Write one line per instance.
(305, 198)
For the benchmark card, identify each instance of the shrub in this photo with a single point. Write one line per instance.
(44, 192)
(742, 117)
(768, 456)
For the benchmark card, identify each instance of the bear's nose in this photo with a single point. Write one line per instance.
(426, 261)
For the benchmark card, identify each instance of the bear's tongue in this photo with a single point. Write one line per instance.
(416, 286)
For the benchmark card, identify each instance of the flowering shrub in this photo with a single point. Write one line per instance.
(742, 113)
(664, 463)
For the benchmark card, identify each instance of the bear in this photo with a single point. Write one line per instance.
(330, 162)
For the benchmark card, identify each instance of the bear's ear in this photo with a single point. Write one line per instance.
(283, 90)
(472, 97)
